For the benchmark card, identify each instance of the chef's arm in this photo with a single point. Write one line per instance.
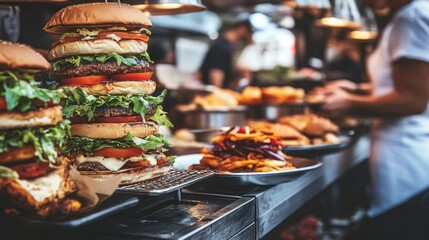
(410, 95)
(364, 88)
(352, 87)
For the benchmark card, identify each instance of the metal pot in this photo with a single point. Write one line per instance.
(272, 112)
(214, 119)
(205, 135)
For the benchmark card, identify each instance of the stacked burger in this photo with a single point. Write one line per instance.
(102, 65)
(33, 175)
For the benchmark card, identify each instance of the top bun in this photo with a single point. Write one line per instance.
(15, 56)
(97, 15)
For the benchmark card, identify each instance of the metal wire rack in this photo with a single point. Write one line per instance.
(171, 181)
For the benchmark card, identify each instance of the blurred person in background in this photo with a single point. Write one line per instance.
(218, 66)
(160, 53)
(398, 98)
(344, 63)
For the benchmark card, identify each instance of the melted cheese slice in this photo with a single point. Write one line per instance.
(42, 187)
(114, 164)
(151, 159)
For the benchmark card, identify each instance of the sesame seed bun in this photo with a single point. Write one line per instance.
(21, 57)
(97, 15)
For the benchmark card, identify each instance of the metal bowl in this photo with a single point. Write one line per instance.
(272, 112)
(214, 119)
(205, 135)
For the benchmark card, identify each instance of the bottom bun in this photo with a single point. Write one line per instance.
(134, 175)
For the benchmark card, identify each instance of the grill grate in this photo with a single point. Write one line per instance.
(169, 182)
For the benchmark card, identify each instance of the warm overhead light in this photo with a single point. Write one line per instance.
(368, 31)
(345, 14)
(308, 4)
(168, 7)
(362, 36)
(333, 22)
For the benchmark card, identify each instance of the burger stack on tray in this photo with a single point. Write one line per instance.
(34, 177)
(101, 63)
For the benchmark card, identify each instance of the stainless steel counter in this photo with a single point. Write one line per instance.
(274, 204)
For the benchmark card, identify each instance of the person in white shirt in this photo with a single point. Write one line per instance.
(399, 96)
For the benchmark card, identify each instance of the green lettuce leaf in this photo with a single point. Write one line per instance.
(43, 139)
(8, 173)
(80, 103)
(86, 145)
(83, 32)
(171, 159)
(128, 60)
(20, 91)
(160, 117)
(145, 31)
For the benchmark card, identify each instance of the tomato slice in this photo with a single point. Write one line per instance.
(77, 81)
(37, 103)
(142, 163)
(40, 103)
(119, 152)
(31, 170)
(3, 104)
(161, 161)
(125, 119)
(132, 76)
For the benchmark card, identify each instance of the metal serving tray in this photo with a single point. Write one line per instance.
(272, 112)
(319, 149)
(172, 181)
(214, 118)
(302, 165)
(110, 206)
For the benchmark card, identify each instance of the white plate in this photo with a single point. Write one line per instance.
(183, 162)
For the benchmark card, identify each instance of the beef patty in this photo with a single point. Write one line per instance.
(121, 112)
(97, 68)
(91, 166)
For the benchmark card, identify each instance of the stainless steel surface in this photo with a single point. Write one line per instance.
(272, 112)
(275, 204)
(205, 135)
(268, 178)
(109, 207)
(168, 7)
(214, 119)
(318, 149)
(246, 234)
(196, 217)
(302, 165)
(170, 182)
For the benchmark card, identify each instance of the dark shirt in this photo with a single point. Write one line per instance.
(345, 68)
(218, 57)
